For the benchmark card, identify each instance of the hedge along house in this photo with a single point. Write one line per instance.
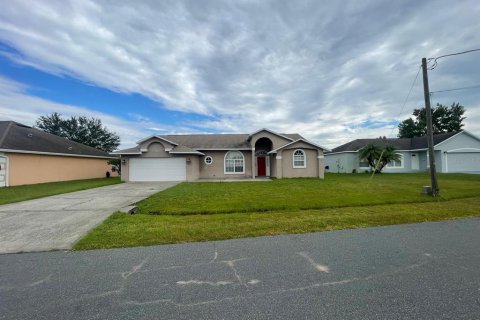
(263, 153)
(454, 152)
(29, 156)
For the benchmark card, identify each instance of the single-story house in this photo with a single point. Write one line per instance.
(454, 152)
(263, 153)
(29, 155)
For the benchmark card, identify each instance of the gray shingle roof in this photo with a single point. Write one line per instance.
(217, 141)
(400, 144)
(16, 136)
(211, 141)
(194, 143)
(183, 149)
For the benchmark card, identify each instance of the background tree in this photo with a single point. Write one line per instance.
(378, 157)
(444, 119)
(88, 131)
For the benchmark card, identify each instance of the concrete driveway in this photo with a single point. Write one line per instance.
(57, 222)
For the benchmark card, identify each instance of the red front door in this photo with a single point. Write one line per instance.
(262, 167)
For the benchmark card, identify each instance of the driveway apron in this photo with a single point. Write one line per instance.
(57, 222)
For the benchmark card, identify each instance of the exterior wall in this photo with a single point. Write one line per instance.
(349, 161)
(342, 162)
(423, 161)
(406, 164)
(273, 166)
(216, 169)
(311, 170)
(193, 168)
(32, 168)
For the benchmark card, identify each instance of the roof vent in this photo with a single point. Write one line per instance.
(30, 135)
(70, 148)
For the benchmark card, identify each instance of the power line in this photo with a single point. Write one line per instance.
(408, 96)
(456, 89)
(435, 63)
(456, 54)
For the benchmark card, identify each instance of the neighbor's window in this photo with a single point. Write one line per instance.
(299, 159)
(363, 164)
(208, 160)
(234, 162)
(396, 163)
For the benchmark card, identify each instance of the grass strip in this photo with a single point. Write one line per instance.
(123, 230)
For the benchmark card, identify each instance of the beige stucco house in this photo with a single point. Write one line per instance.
(263, 153)
(29, 155)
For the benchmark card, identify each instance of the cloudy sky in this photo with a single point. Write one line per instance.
(330, 70)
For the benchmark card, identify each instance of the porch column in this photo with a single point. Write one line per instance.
(321, 164)
(279, 166)
(253, 163)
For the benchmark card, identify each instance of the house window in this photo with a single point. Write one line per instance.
(363, 164)
(299, 159)
(396, 163)
(208, 160)
(234, 162)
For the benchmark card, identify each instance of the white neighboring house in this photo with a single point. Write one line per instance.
(454, 152)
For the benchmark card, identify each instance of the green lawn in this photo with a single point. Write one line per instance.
(214, 211)
(337, 190)
(123, 230)
(34, 191)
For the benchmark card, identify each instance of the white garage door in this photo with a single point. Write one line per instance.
(463, 162)
(157, 169)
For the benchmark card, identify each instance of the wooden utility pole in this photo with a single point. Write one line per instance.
(428, 109)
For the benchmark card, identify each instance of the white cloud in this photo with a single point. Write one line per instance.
(322, 69)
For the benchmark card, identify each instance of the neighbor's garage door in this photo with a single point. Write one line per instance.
(156, 169)
(463, 162)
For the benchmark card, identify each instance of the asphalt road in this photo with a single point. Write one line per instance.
(418, 271)
(57, 222)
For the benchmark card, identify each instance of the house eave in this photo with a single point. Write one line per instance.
(299, 140)
(55, 154)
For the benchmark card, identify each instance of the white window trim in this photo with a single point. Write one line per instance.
(205, 160)
(367, 167)
(304, 159)
(225, 167)
(402, 162)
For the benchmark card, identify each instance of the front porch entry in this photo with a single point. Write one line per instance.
(262, 158)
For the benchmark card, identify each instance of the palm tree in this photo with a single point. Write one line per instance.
(377, 157)
(389, 154)
(370, 153)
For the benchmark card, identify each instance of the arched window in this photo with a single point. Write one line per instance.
(234, 162)
(299, 159)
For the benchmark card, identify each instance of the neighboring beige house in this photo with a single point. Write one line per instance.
(29, 156)
(263, 153)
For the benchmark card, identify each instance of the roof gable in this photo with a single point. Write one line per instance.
(272, 132)
(291, 144)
